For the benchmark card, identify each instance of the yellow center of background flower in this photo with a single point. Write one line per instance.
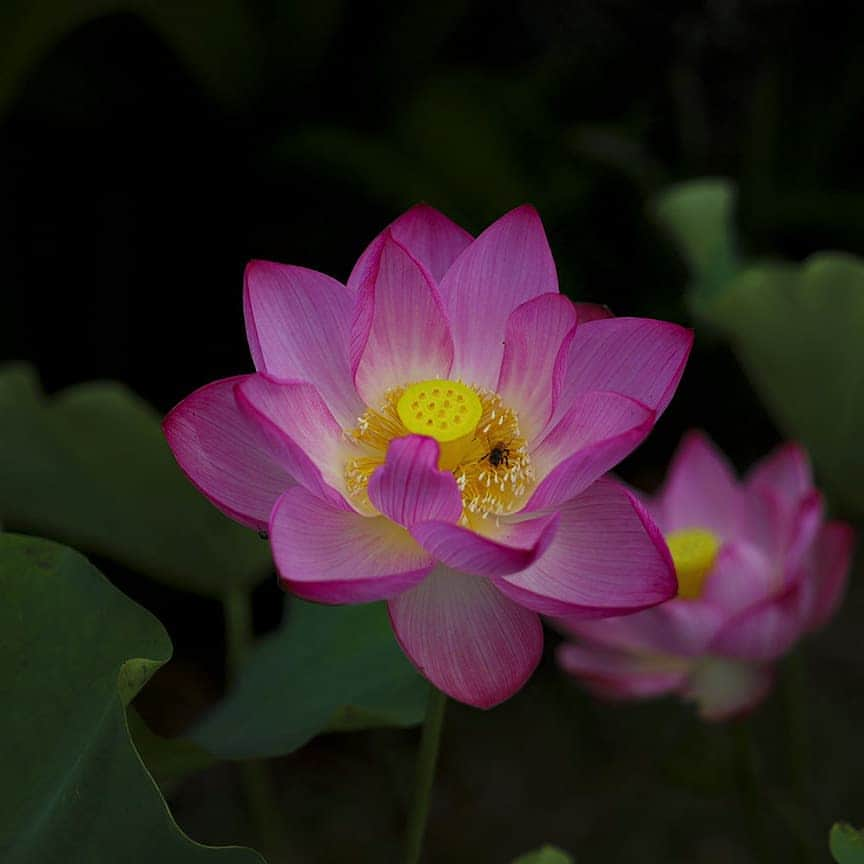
(694, 551)
(479, 438)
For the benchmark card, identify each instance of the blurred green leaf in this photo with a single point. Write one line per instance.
(90, 466)
(699, 215)
(329, 668)
(217, 39)
(545, 855)
(798, 332)
(74, 789)
(796, 329)
(847, 844)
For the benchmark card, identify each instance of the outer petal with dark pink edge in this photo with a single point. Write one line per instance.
(606, 558)
(400, 332)
(765, 630)
(723, 689)
(301, 429)
(701, 491)
(598, 431)
(639, 357)
(225, 455)
(298, 325)
(337, 556)
(828, 569)
(409, 488)
(469, 640)
(433, 239)
(509, 263)
(617, 675)
(532, 369)
(513, 547)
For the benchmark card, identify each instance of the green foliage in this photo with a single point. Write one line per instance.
(545, 855)
(699, 215)
(847, 844)
(797, 330)
(218, 40)
(74, 789)
(329, 668)
(90, 467)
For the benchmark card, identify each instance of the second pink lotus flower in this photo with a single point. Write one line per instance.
(432, 434)
(758, 568)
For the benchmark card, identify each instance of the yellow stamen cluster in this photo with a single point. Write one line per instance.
(478, 435)
(694, 551)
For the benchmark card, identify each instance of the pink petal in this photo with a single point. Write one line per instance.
(337, 556)
(509, 263)
(598, 431)
(725, 689)
(400, 331)
(470, 641)
(701, 491)
(824, 582)
(409, 488)
(741, 576)
(682, 628)
(428, 235)
(514, 547)
(301, 429)
(617, 675)
(764, 631)
(785, 472)
(606, 558)
(532, 369)
(298, 326)
(225, 455)
(639, 357)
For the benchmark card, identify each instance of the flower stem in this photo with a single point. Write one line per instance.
(426, 761)
(256, 778)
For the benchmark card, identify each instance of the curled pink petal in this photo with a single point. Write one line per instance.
(616, 675)
(470, 641)
(606, 558)
(400, 331)
(764, 631)
(638, 357)
(598, 431)
(509, 263)
(225, 455)
(701, 491)
(301, 429)
(298, 326)
(337, 556)
(408, 488)
(433, 239)
(514, 547)
(530, 377)
(742, 576)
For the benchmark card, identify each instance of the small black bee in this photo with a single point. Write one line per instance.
(499, 455)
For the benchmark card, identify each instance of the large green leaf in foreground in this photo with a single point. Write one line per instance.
(798, 330)
(73, 651)
(847, 844)
(90, 467)
(328, 668)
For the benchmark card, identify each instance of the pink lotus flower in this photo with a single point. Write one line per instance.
(431, 434)
(758, 567)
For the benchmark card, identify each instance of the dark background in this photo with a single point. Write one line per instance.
(143, 164)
